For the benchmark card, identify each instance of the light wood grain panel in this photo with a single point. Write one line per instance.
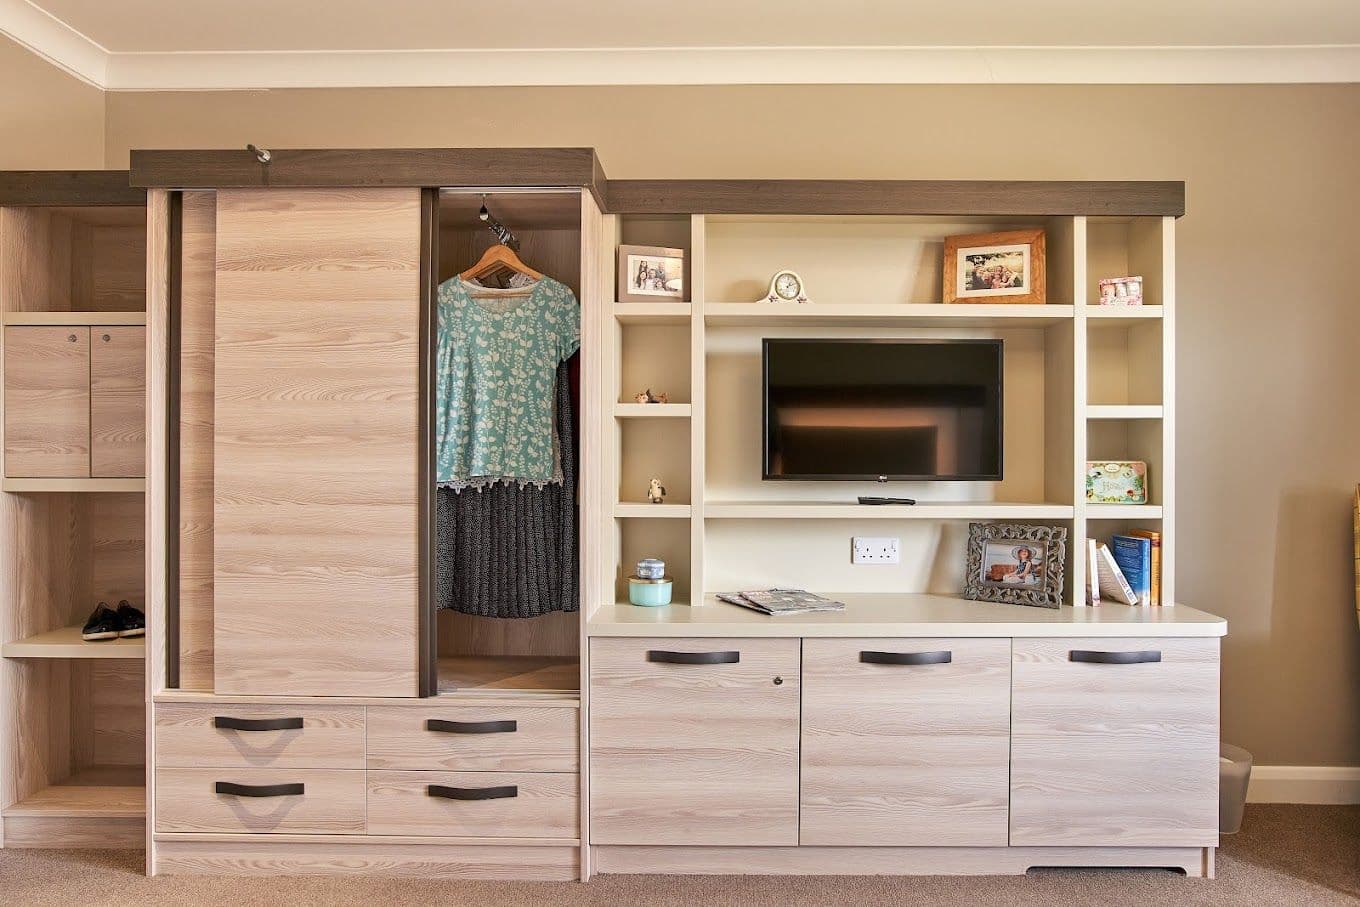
(694, 754)
(198, 289)
(316, 390)
(1110, 754)
(543, 805)
(108, 714)
(330, 737)
(332, 801)
(35, 248)
(117, 401)
(38, 832)
(116, 552)
(423, 861)
(543, 740)
(905, 755)
(47, 401)
(554, 634)
(117, 260)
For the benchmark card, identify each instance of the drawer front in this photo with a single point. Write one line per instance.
(473, 804)
(694, 741)
(1111, 747)
(906, 742)
(262, 736)
(475, 739)
(260, 800)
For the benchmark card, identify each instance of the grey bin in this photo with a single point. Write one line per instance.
(1234, 772)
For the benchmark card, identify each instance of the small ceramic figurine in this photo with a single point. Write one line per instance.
(648, 397)
(655, 492)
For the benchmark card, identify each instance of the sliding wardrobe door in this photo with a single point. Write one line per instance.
(316, 396)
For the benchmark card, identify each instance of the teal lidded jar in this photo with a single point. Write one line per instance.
(649, 593)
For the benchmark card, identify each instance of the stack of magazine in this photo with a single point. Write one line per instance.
(781, 601)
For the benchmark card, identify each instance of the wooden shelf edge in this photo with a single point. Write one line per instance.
(1119, 312)
(926, 510)
(74, 799)
(652, 410)
(757, 313)
(1117, 511)
(1124, 411)
(646, 511)
(72, 485)
(66, 643)
(74, 319)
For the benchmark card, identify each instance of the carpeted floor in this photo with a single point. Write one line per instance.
(1294, 855)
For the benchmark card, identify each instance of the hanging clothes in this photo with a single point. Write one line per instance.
(509, 549)
(496, 359)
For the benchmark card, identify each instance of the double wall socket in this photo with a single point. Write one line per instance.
(874, 550)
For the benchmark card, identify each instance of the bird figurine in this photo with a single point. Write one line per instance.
(656, 493)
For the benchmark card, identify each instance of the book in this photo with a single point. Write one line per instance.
(1133, 554)
(1111, 579)
(1156, 581)
(1092, 572)
(776, 602)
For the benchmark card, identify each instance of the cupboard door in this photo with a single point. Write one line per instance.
(47, 402)
(316, 486)
(694, 741)
(117, 401)
(1115, 742)
(906, 742)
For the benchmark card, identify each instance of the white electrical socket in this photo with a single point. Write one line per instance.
(873, 550)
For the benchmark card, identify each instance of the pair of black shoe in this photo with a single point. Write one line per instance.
(106, 623)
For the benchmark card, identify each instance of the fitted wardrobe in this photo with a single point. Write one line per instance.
(303, 703)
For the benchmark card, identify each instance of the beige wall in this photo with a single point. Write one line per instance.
(1269, 367)
(48, 119)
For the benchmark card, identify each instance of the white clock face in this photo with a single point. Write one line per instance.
(786, 285)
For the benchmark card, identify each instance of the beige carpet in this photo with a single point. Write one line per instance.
(1289, 855)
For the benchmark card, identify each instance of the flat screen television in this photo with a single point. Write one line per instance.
(882, 410)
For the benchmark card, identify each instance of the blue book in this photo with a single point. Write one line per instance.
(1134, 557)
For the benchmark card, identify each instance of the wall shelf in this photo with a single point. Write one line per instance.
(652, 312)
(651, 511)
(53, 319)
(98, 792)
(66, 643)
(76, 485)
(1123, 511)
(926, 510)
(768, 314)
(1123, 312)
(1123, 412)
(652, 410)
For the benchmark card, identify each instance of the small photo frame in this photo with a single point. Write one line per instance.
(1006, 267)
(1121, 291)
(1016, 565)
(651, 274)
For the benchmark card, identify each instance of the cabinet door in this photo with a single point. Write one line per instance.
(117, 401)
(906, 742)
(694, 741)
(1115, 742)
(47, 402)
(316, 486)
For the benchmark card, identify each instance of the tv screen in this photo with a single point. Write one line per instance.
(882, 410)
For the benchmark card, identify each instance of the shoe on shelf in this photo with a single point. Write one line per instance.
(133, 620)
(104, 623)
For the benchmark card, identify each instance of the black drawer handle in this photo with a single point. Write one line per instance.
(906, 658)
(257, 724)
(693, 658)
(472, 793)
(259, 790)
(1148, 656)
(471, 727)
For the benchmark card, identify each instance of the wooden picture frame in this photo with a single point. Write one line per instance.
(670, 261)
(1016, 565)
(1014, 257)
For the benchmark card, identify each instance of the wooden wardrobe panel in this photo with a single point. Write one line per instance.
(198, 293)
(47, 402)
(117, 401)
(316, 425)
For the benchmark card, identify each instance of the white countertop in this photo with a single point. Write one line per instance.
(890, 614)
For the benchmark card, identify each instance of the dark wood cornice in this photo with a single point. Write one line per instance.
(925, 197)
(68, 187)
(367, 167)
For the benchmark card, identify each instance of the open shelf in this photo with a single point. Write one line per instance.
(66, 643)
(652, 410)
(56, 319)
(651, 511)
(1124, 511)
(76, 485)
(770, 314)
(1118, 411)
(652, 312)
(463, 674)
(924, 510)
(1124, 312)
(97, 792)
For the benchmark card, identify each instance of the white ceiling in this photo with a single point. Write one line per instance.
(167, 44)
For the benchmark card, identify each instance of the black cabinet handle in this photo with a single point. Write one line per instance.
(472, 793)
(906, 658)
(471, 727)
(693, 658)
(1147, 656)
(257, 724)
(259, 790)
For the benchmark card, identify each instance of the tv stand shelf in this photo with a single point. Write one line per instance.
(922, 510)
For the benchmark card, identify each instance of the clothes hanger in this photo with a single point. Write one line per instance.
(500, 256)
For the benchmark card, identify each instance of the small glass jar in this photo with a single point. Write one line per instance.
(650, 568)
(648, 592)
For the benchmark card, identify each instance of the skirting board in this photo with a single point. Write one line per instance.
(1331, 785)
(1197, 862)
(424, 861)
(75, 831)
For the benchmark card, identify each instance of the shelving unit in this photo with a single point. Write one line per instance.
(58, 319)
(66, 643)
(77, 486)
(1083, 381)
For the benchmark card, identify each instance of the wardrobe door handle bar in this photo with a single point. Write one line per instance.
(906, 658)
(257, 724)
(472, 793)
(1147, 656)
(693, 658)
(259, 790)
(471, 727)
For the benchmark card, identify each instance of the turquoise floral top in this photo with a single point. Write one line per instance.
(496, 364)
